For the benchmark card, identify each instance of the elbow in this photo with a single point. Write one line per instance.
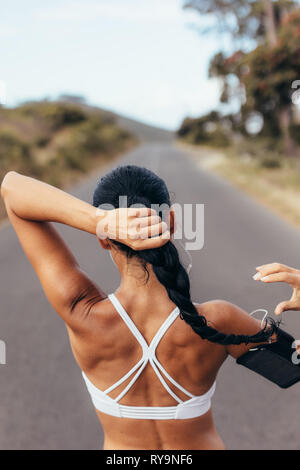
(8, 183)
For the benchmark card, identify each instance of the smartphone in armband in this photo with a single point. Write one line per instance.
(277, 362)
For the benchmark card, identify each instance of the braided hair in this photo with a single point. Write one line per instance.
(143, 187)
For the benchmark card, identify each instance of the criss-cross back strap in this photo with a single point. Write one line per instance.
(148, 354)
(126, 318)
(155, 362)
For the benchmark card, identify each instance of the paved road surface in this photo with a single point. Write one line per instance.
(44, 404)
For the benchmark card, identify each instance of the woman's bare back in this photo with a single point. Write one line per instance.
(108, 350)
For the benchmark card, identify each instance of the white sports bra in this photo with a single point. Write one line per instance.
(193, 407)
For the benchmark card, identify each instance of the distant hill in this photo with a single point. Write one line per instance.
(57, 141)
(144, 131)
(140, 130)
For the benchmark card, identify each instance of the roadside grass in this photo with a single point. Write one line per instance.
(268, 177)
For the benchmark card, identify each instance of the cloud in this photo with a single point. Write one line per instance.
(8, 31)
(149, 11)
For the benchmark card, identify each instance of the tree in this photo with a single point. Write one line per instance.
(253, 19)
(266, 73)
(271, 72)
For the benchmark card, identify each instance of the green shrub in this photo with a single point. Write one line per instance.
(55, 114)
(295, 132)
(209, 130)
(270, 162)
(93, 137)
(13, 151)
(87, 136)
(72, 158)
(112, 138)
(17, 155)
(42, 141)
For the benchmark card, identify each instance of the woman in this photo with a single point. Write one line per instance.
(151, 375)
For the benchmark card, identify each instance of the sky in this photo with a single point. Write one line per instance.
(141, 58)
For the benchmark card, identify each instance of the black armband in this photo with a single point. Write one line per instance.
(277, 362)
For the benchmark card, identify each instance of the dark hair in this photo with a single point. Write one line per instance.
(143, 187)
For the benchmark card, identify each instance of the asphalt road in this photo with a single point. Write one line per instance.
(44, 403)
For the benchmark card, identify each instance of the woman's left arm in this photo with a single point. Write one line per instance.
(31, 207)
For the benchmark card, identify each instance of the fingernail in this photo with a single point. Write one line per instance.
(264, 278)
(256, 276)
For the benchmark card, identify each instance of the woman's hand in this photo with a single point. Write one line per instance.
(275, 272)
(139, 228)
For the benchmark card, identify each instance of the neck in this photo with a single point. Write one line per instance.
(135, 277)
(139, 286)
(136, 282)
(141, 292)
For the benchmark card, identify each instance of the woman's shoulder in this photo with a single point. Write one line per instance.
(218, 310)
(226, 316)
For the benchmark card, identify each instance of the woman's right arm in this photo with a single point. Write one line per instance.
(32, 206)
(34, 200)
